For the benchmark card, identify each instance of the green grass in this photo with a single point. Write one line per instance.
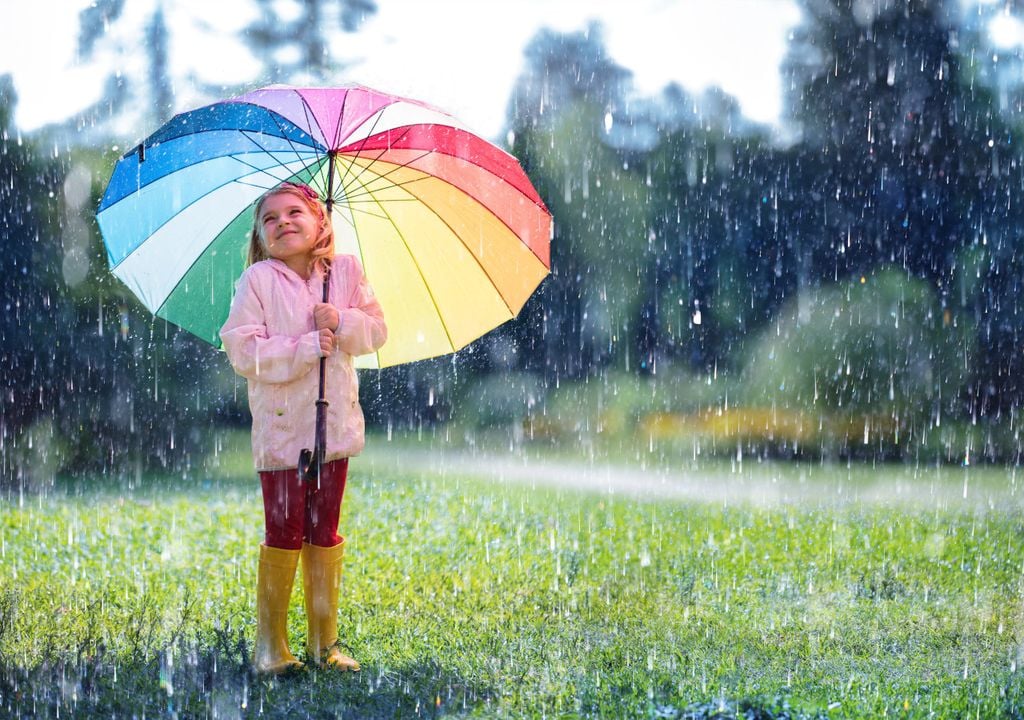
(464, 596)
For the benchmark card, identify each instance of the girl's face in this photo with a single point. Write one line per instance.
(289, 230)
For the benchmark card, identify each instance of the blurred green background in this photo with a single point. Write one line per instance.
(846, 289)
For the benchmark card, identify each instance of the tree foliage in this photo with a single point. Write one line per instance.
(299, 45)
(33, 340)
(902, 161)
(560, 111)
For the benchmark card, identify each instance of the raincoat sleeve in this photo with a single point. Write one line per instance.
(256, 356)
(362, 329)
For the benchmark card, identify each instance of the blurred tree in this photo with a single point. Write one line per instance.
(999, 382)
(668, 208)
(91, 381)
(294, 40)
(562, 111)
(875, 89)
(562, 69)
(94, 21)
(93, 24)
(33, 321)
(990, 268)
(993, 54)
(161, 87)
(719, 240)
(878, 345)
(136, 392)
(909, 161)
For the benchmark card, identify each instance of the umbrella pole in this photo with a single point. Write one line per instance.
(310, 462)
(320, 446)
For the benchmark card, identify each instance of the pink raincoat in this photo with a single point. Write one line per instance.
(271, 340)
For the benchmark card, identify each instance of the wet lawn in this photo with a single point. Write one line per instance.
(464, 596)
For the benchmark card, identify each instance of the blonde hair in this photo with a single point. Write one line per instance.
(323, 250)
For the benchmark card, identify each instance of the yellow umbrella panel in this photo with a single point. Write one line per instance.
(445, 266)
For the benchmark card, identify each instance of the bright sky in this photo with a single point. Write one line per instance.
(461, 55)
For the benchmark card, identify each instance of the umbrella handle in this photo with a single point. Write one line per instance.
(309, 470)
(310, 460)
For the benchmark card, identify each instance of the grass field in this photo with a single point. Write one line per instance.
(465, 596)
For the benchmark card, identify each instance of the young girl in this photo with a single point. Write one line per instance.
(275, 335)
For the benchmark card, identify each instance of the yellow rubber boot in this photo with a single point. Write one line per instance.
(321, 578)
(273, 591)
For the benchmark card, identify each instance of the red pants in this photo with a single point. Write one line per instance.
(297, 511)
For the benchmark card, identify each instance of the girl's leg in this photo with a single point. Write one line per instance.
(322, 557)
(324, 505)
(284, 508)
(274, 579)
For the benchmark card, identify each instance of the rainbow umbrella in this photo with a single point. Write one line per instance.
(450, 232)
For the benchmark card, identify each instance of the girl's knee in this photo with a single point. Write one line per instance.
(283, 541)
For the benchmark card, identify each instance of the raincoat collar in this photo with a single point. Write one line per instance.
(315, 277)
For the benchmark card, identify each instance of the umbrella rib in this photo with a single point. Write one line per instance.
(235, 156)
(341, 181)
(363, 211)
(363, 168)
(341, 117)
(311, 120)
(345, 186)
(431, 152)
(464, 158)
(395, 169)
(274, 156)
(291, 144)
(495, 215)
(369, 213)
(305, 108)
(265, 171)
(419, 271)
(369, 193)
(310, 117)
(468, 250)
(209, 191)
(465, 245)
(366, 212)
(366, 198)
(337, 141)
(255, 185)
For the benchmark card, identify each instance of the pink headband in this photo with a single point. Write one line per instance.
(301, 187)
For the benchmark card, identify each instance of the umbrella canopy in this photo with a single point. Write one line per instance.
(452, 236)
